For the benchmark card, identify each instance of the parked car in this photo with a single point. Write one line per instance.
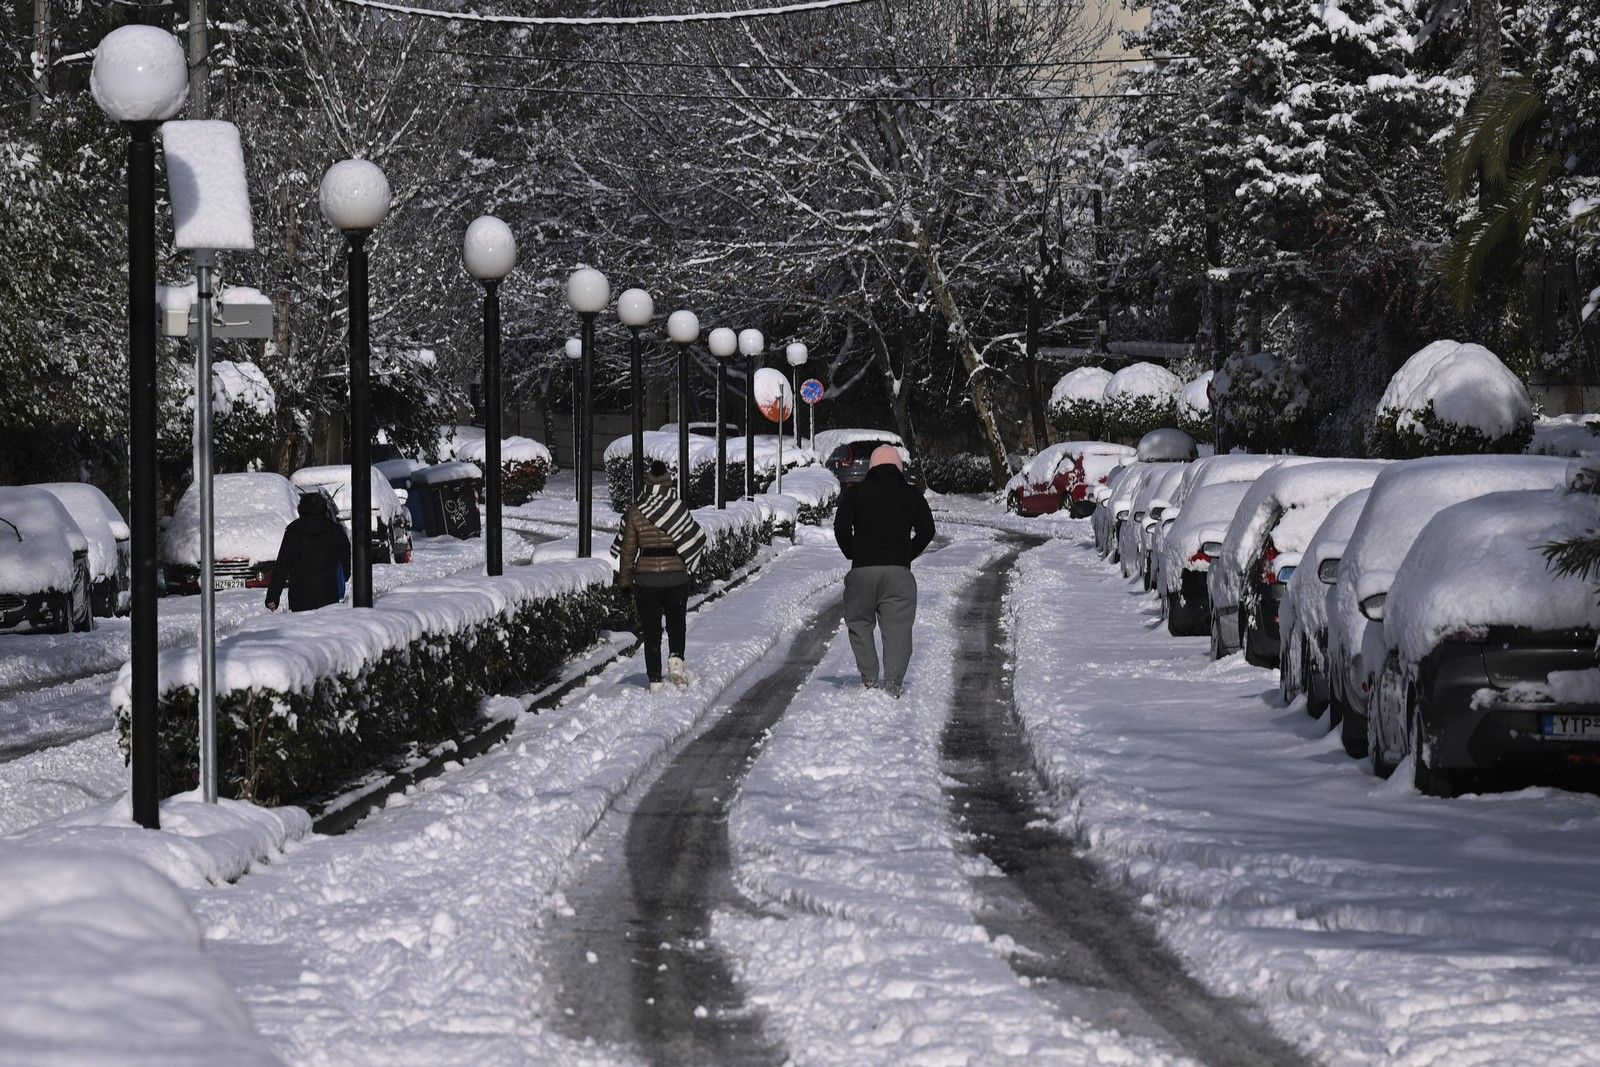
(1187, 551)
(1278, 516)
(1101, 521)
(1404, 497)
(44, 565)
(107, 533)
(1303, 615)
(1149, 503)
(391, 522)
(1061, 475)
(1474, 624)
(1167, 446)
(848, 453)
(251, 511)
(1234, 467)
(1117, 504)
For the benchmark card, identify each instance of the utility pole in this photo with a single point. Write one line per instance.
(199, 62)
(1102, 283)
(41, 59)
(1041, 429)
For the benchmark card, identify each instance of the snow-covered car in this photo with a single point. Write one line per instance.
(1187, 550)
(1116, 505)
(44, 565)
(848, 453)
(251, 511)
(1278, 516)
(107, 533)
(391, 522)
(1303, 615)
(1474, 624)
(1233, 467)
(1167, 446)
(1404, 497)
(1148, 505)
(1061, 476)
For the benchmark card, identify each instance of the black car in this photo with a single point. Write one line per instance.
(44, 565)
(850, 462)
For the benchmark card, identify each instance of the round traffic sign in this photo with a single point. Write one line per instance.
(811, 391)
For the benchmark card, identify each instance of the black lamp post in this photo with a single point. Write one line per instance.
(141, 78)
(588, 292)
(724, 345)
(751, 344)
(684, 328)
(355, 198)
(636, 309)
(490, 252)
(574, 352)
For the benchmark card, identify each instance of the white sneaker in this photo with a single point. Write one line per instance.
(657, 687)
(677, 673)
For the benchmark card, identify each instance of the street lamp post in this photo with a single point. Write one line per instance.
(355, 198)
(574, 352)
(751, 345)
(490, 252)
(684, 328)
(588, 292)
(796, 355)
(724, 344)
(636, 309)
(140, 78)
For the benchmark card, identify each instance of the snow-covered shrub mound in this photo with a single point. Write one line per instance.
(1262, 401)
(525, 464)
(1453, 398)
(1565, 435)
(1139, 398)
(251, 511)
(662, 445)
(1077, 402)
(1480, 563)
(815, 489)
(1194, 408)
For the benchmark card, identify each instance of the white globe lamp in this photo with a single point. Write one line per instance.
(724, 343)
(588, 291)
(635, 308)
(796, 354)
(489, 249)
(574, 348)
(683, 327)
(751, 343)
(354, 195)
(140, 74)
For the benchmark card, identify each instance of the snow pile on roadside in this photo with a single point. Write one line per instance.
(843, 828)
(413, 939)
(1371, 924)
(1466, 385)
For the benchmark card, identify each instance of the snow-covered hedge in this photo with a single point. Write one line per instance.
(1194, 408)
(1262, 401)
(964, 472)
(1453, 398)
(815, 490)
(1139, 398)
(1565, 435)
(663, 445)
(310, 700)
(525, 464)
(1077, 403)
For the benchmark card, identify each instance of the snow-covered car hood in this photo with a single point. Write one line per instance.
(37, 541)
(1205, 517)
(251, 512)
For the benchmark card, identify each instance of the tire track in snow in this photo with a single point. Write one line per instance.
(1081, 943)
(681, 1003)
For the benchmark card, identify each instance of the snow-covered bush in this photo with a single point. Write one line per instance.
(524, 465)
(1077, 403)
(1139, 398)
(1194, 408)
(1262, 401)
(816, 490)
(1453, 398)
(964, 472)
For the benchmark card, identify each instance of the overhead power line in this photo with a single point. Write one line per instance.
(732, 99)
(798, 8)
(689, 64)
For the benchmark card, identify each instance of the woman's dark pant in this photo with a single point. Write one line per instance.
(655, 603)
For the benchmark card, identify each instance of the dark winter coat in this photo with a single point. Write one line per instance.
(314, 548)
(883, 520)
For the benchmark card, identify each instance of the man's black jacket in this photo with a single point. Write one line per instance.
(883, 521)
(313, 549)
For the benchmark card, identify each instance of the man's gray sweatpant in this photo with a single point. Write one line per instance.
(887, 597)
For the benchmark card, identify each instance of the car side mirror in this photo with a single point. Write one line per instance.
(1372, 606)
(1328, 571)
(402, 495)
(1212, 548)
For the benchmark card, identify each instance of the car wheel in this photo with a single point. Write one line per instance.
(1428, 780)
(82, 604)
(1382, 765)
(1012, 505)
(1353, 734)
(1215, 647)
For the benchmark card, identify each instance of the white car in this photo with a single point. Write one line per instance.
(44, 565)
(391, 522)
(1404, 497)
(1303, 615)
(1187, 551)
(1144, 512)
(107, 533)
(251, 511)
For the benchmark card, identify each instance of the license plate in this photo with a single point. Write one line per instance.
(1572, 726)
(224, 582)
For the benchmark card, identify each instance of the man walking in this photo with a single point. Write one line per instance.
(882, 524)
(313, 553)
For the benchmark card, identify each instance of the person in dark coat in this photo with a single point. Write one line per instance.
(657, 549)
(314, 548)
(883, 523)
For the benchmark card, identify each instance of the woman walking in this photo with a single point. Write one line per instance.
(657, 549)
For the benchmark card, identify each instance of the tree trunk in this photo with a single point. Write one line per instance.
(41, 59)
(1486, 44)
(282, 330)
(977, 385)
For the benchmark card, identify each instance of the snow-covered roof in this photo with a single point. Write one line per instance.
(1167, 446)
(1404, 498)
(1467, 385)
(1479, 563)
(1144, 380)
(335, 481)
(512, 450)
(1195, 400)
(826, 441)
(1205, 516)
(97, 519)
(251, 512)
(206, 184)
(1565, 435)
(1234, 467)
(1306, 602)
(440, 473)
(1287, 503)
(1082, 383)
(36, 556)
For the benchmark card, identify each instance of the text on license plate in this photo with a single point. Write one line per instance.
(1572, 725)
(228, 582)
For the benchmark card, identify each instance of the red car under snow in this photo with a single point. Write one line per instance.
(1063, 476)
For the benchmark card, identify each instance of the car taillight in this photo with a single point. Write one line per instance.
(1200, 557)
(1269, 574)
